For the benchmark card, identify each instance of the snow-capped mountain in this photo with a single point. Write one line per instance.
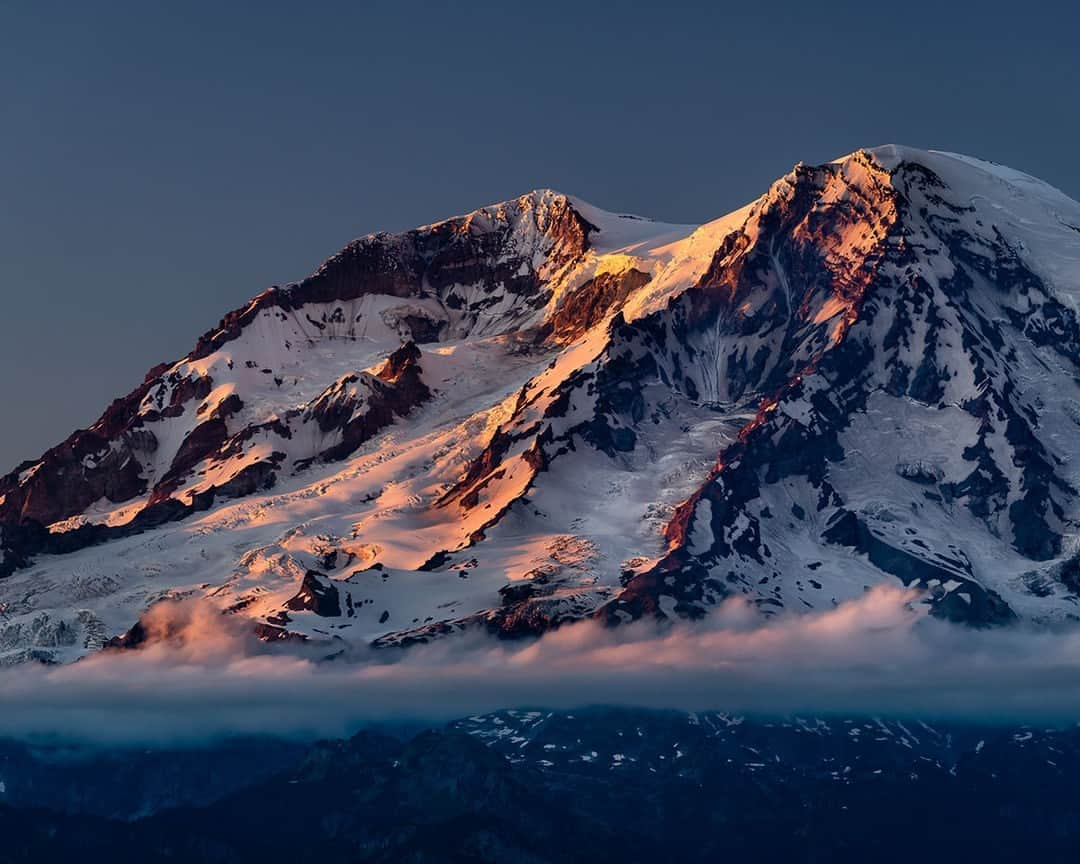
(541, 411)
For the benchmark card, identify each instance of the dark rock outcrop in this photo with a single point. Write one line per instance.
(317, 594)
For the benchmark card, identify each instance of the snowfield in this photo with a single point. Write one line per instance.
(541, 411)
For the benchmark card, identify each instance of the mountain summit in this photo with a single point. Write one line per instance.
(541, 411)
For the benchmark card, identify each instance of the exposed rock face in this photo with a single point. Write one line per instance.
(541, 412)
(359, 405)
(316, 595)
(594, 301)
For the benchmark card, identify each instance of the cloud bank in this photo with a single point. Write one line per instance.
(207, 677)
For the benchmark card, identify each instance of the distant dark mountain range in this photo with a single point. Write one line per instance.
(598, 786)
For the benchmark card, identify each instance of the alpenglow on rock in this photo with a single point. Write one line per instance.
(541, 412)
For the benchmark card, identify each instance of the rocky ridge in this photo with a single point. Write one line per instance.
(541, 412)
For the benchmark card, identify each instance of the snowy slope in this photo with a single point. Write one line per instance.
(541, 411)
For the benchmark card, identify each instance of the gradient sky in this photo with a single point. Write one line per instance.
(162, 162)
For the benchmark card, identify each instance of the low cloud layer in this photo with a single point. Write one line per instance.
(207, 677)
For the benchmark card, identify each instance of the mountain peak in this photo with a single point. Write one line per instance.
(541, 411)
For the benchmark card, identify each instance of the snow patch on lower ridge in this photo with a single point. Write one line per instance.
(540, 412)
